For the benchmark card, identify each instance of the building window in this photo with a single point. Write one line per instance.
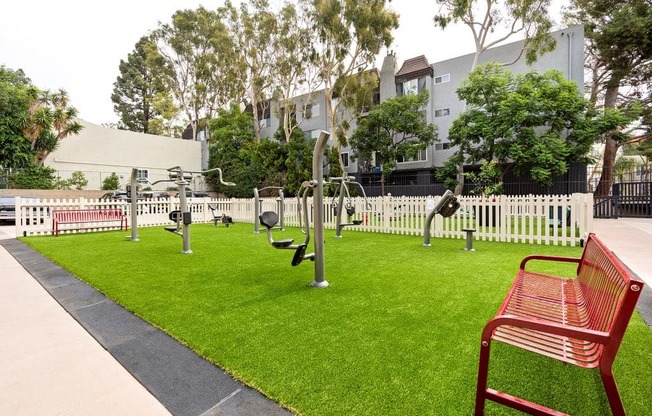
(412, 86)
(443, 112)
(312, 111)
(335, 101)
(345, 159)
(313, 134)
(442, 79)
(293, 114)
(420, 157)
(141, 174)
(442, 146)
(264, 118)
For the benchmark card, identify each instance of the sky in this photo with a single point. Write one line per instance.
(78, 46)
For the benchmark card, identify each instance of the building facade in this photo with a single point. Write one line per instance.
(441, 80)
(99, 151)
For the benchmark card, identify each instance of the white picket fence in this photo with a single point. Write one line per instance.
(533, 219)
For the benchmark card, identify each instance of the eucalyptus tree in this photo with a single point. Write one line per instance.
(197, 55)
(169, 120)
(619, 45)
(135, 89)
(349, 34)
(493, 22)
(296, 76)
(254, 27)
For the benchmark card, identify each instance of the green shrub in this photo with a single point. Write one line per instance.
(34, 177)
(111, 182)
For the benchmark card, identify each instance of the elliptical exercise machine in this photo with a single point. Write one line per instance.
(342, 190)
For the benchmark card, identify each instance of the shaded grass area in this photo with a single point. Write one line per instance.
(396, 333)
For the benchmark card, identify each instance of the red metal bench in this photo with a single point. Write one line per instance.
(579, 321)
(82, 217)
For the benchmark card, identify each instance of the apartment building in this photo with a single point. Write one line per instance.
(441, 80)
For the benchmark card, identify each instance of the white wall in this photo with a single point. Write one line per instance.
(99, 151)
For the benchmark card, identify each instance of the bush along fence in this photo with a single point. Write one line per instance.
(532, 219)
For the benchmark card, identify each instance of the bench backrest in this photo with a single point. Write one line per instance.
(78, 215)
(610, 292)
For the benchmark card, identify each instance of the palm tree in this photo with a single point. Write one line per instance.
(50, 119)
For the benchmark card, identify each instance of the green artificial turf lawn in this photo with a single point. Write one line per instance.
(396, 333)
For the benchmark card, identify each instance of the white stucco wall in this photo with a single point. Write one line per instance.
(99, 151)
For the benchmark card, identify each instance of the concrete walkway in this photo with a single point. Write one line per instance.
(631, 240)
(66, 349)
(50, 364)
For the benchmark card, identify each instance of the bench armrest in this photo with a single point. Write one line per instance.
(550, 258)
(546, 327)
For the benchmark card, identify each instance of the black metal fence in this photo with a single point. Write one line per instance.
(627, 199)
(424, 183)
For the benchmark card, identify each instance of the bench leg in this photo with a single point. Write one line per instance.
(611, 389)
(483, 370)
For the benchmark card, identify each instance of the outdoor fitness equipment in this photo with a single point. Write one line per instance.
(269, 218)
(257, 202)
(446, 207)
(183, 216)
(342, 190)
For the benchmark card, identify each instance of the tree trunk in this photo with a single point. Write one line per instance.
(610, 147)
(608, 161)
(460, 179)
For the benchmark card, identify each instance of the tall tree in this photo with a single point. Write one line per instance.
(168, 123)
(350, 33)
(16, 91)
(620, 44)
(254, 27)
(197, 55)
(530, 123)
(395, 129)
(232, 135)
(296, 75)
(493, 22)
(135, 89)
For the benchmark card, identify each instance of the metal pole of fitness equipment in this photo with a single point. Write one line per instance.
(181, 181)
(340, 206)
(256, 211)
(134, 204)
(318, 208)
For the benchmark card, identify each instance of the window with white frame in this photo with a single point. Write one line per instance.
(443, 112)
(442, 79)
(422, 156)
(142, 174)
(442, 146)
